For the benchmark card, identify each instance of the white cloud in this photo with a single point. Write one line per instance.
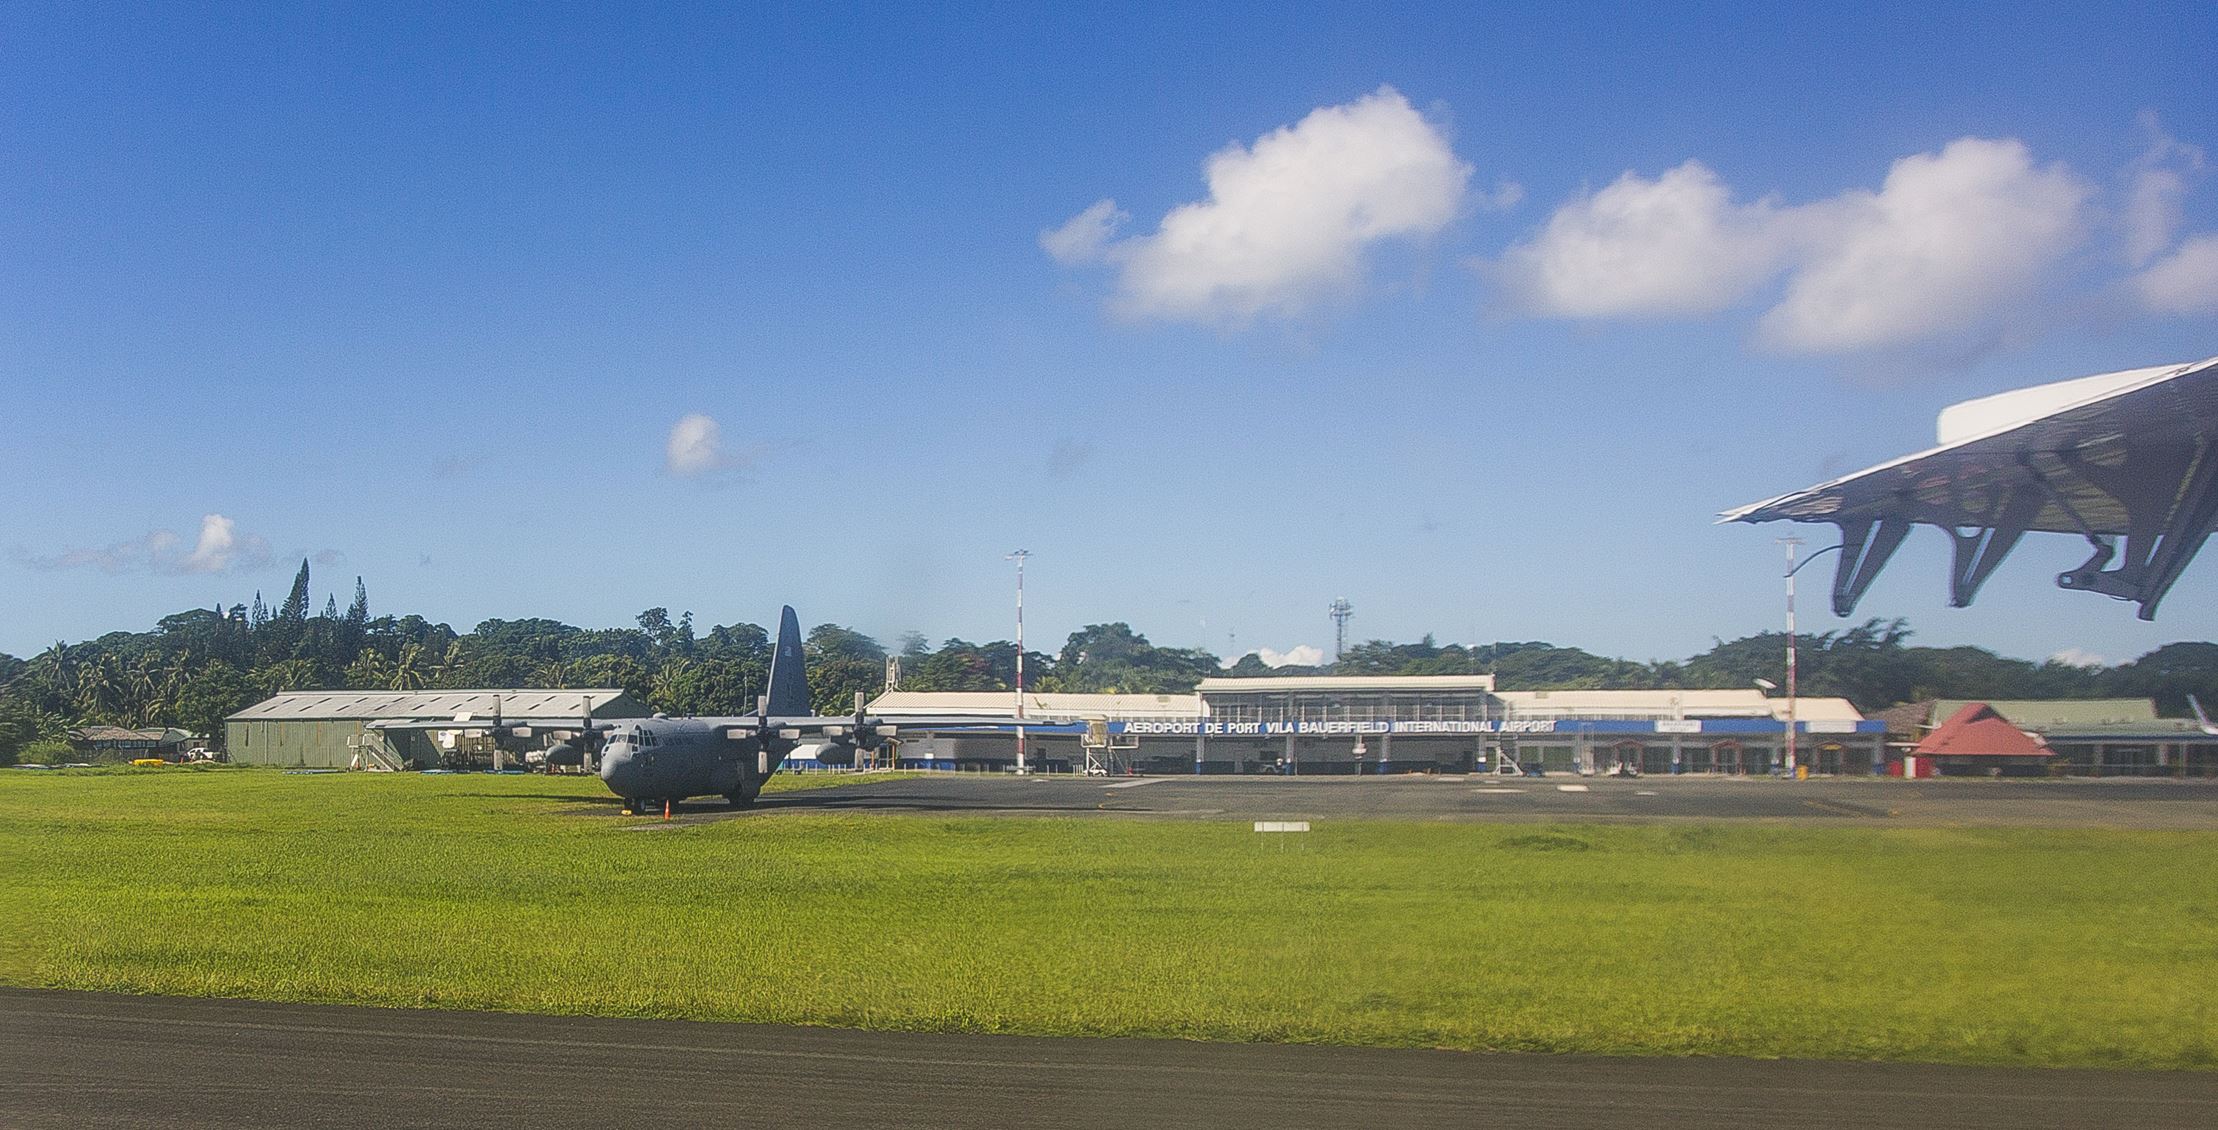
(1084, 238)
(2184, 282)
(1300, 655)
(2078, 657)
(2155, 192)
(2153, 212)
(1287, 221)
(1675, 245)
(696, 449)
(1951, 240)
(219, 548)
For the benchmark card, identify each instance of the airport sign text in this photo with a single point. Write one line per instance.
(1276, 729)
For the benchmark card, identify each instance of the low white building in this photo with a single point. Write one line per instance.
(1393, 723)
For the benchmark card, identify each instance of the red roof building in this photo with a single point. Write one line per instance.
(1978, 739)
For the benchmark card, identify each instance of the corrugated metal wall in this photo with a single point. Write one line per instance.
(314, 745)
(320, 745)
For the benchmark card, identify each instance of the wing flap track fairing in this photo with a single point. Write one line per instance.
(2130, 455)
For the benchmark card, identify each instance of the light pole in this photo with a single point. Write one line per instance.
(1018, 557)
(1793, 543)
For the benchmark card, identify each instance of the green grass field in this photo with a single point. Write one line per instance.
(530, 894)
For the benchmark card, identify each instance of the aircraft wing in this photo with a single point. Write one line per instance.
(567, 722)
(845, 725)
(2131, 454)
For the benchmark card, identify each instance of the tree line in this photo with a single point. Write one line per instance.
(196, 667)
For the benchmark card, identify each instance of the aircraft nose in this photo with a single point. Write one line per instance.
(619, 772)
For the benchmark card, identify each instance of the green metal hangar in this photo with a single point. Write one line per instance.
(330, 729)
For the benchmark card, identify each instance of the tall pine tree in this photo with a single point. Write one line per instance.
(295, 607)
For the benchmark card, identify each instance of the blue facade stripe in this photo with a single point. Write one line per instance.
(1539, 728)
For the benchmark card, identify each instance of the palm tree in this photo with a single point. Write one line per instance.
(57, 669)
(369, 670)
(96, 687)
(407, 673)
(142, 690)
(444, 669)
(175, 674)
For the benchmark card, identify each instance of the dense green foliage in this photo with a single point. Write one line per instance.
(202, 664)
(1871, 664)
(2021, 946)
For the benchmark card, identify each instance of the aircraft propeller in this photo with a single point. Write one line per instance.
(575, 750)
(844, 741)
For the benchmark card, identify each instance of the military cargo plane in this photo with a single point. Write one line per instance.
(662, 760)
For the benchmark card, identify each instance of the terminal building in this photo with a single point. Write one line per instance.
(1392, 724)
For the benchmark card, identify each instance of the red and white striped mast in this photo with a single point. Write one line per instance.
(1018, 556)
(1792, 543)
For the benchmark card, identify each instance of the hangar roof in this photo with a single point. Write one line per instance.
(1563, 704)
(1002, 704)
(1750, 703)
(1271, 683)
(2041, 714)
(124, 734)
(336, 706)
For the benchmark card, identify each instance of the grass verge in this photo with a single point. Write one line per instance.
(2018, 946)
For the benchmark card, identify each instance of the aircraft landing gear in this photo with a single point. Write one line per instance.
(744, 796)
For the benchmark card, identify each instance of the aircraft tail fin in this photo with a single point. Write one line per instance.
(789, 675)
(2201, 718)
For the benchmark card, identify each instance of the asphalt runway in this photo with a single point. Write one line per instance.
(2116, 802)
(83, 1059)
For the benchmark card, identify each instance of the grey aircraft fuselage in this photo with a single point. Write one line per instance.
(670, 759)
(663, 760)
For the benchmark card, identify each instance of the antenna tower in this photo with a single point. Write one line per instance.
(1340, 611)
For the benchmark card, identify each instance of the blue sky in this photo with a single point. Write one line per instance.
(575, 311)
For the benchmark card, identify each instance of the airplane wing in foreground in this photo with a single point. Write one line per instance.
(2130, 455)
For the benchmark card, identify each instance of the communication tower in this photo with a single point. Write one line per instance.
(1340, 611)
